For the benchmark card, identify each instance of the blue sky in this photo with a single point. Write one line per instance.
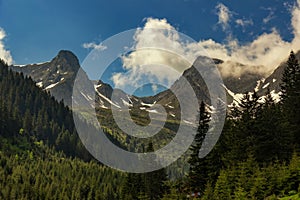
(35, 30)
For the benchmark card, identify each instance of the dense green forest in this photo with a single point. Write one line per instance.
(30, 114)
(256, 157)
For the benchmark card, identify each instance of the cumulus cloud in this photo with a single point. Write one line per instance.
(262, 55)
(224, 15)
(4, 53)
(93, 45)
(296, 22)
(158, 47)
(268, 49)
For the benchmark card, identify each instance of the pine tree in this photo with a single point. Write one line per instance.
(240, 194)
(244, 130)
(222, 188)
(289, 78)
(208, 193)
(150, 185)
(290, 97)
(198, 174)
(132, 187)
(273, 141)
(155, 186)
(3, 119)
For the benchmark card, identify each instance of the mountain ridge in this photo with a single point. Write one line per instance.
(57, 76)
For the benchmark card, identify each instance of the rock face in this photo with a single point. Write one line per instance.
(56, 76)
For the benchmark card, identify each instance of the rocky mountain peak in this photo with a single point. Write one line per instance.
(56, 76)
(67, 60)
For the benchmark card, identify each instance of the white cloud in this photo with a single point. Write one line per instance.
(154, 88)
(244, 22)
(262, 55)
(93, 45)
(296, 22)
(268, 18)
(224, 15)
(4, 53)
(268, 50)
(151, 58)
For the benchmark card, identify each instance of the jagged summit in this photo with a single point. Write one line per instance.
(66, 58)
(56, 76)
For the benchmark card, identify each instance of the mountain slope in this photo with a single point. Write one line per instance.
(273, 81)
(30, 114)
(56, 76)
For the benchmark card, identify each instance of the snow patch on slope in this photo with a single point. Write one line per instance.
(97, 86)
(266, 85)
(236, 97)
(52, 85)
(276, 96)
(170, 106)
(130, 101)
(148, 104)
(152, 111)
(172, 114)
(259, 83)
(257, 86)
(39, 84)
(87, 97)
(187, 122)
(108, 100)
(126, 103)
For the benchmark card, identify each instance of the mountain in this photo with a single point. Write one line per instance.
(251, 81)
(273, 81)
(239, 85)
(259, 83)
(41, 156)
(30, 117)
(57, 76)
(40, 146)
(122, 100)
